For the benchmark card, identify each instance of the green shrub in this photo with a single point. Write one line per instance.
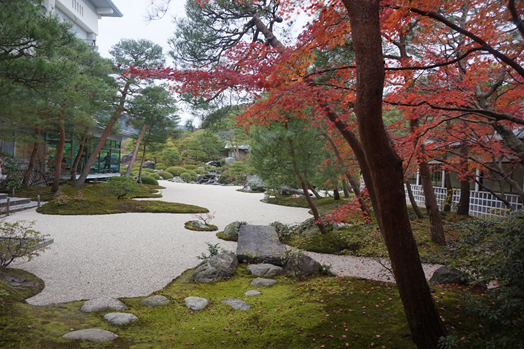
(148, 170)
(155, 175)
(193, 175)
(176, 170)
(186, 177)
(161, 166)
(149, 180)
(18, 240)
(200, 171)
(121, 186)
(165, 174)
(191, 167)
(493, 251)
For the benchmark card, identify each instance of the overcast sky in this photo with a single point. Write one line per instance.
(134, 25)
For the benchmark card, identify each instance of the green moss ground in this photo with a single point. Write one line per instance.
(315, 312)
(95, 200)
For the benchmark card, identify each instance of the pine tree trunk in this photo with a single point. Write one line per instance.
(79, 154)
(387, 176)
(90, 161)
(29, 171)
(59, 155)
(345, 187)
(135, 151)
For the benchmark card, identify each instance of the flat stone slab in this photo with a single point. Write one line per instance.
(102, 303)
(155, 301)
(196, 303)
(252, 293)
(265, 269)
(236, 303)
(91, 335)
(119, 319)
(260, 244)
(261, 282)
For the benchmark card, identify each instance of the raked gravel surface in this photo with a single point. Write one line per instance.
(135, 254)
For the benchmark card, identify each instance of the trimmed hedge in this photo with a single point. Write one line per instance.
(176, 170)
(186, 177)
(155, 175)
(165, 174)
(190, 167)
(149, 180)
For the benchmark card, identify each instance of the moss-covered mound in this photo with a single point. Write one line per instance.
(191, 226)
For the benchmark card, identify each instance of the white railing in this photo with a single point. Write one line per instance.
(481, 203)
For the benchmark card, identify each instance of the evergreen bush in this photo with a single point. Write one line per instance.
(176, 170)
(190, 167)
(186, 177)
(149, 180)
(165, 174)
(493, 251)
(155, 175)
(121, 186)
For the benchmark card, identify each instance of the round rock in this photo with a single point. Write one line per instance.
(155, 301)
(119, 319)
(102, 303)
(252, 293)
(91, 335)
(263, 282)
(265, 269)
(196, 303)
(236, 303)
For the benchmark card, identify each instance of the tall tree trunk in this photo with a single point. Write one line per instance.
(79, 154)
(313, 190)
(59, 155)
(413, 202)
(141, 164)
(449, 192)
(357, 149)
(336, 194)
(463, 206)
(135, 151)
(387, 176)
(303, 184)
(31, 165)
(435, 221)
(103, 138)
(345, 187)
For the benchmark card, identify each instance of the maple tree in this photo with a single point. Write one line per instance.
(453, 66)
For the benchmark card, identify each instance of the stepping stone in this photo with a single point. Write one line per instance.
(155, 301)
(236, 303)
(265, 269)
(91, 335)
(252, 293)
(119, 319)
(196, 303)
(102, 303)
(263, 282)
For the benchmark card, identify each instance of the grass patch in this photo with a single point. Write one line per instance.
(93, 199)
(310, 313)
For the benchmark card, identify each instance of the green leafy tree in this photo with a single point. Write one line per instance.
(121, 186)
(126, 53)
(152, 111)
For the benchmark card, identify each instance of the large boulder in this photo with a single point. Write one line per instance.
(260, 244)
(149, 164)
(300, 264)
(216, 267)
(232, 229)
(443, 275)
(266, 270)
(126, 158)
